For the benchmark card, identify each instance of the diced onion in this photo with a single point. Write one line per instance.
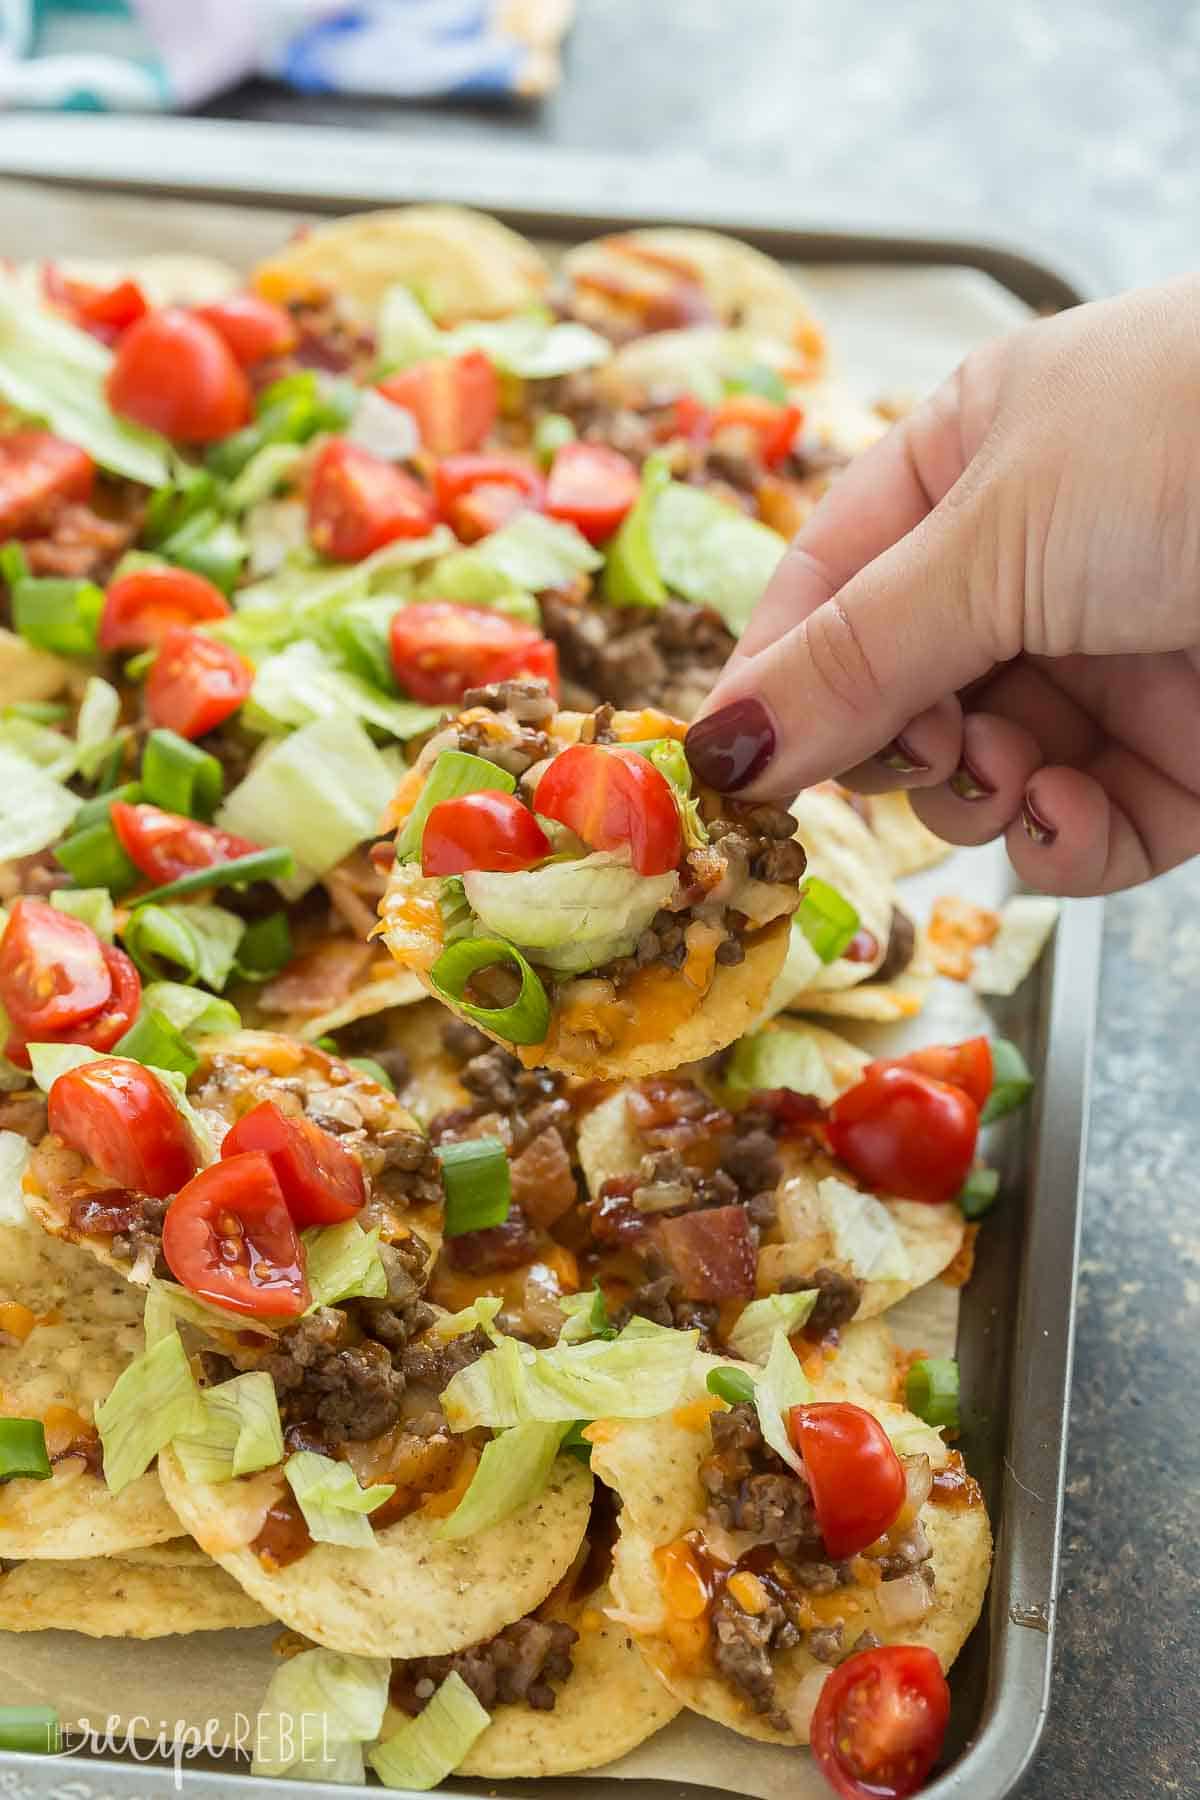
(904, 1601)
(801, 1706)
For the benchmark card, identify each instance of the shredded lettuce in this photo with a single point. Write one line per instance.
(864, 1233)
(49, 1061)
(584, 1316)
(513, 1470)
(303, 683)
(755, 1331)
(535, 553)
(468, 577)
(15, 1152)
(35, 808)
(383, 428)
(780, 1386)
(573, 915)
(190, 1009)
(96, 726)
(166, 1302)
(631, 574)
(712, 554)
(478, 1317)
(404, 331)
(531, 345)
(335, 1508)
(199, 939)
(320, 792)
(343, 1263)
(630, 1377)
(152, 1401)
(319, 1709)
(241, 1432)
(51, 371)
(93, 905)
(783, 1057)
(262, 476)
(432, 1745)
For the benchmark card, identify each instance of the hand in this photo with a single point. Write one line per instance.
(998, 607)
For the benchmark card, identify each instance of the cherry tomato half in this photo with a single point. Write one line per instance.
(454, 400)
(357, 503)
(141, 607)
(36, 469)
(162, 846)
(439, 650)
(903, 1133)
(100, 1030)
(967, 1066)
(321, 1183)
(478, 494)
(592, 487)
(196, 683)
(228, 1236)
(614, 799)
(481, 831)
(53, 972)
(177, 375)
(879, 1722)
(857, 1480)
(253, 328)
(105, 312)
(773, 426)
(121, 1118)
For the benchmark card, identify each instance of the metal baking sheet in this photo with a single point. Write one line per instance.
(1016, 1325)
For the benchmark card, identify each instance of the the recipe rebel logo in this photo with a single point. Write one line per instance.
(295, 1738)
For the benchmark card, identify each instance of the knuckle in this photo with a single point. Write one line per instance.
(840, 660)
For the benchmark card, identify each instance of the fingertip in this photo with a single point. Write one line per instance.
(1067, 838)
(923, 755)
(984, 793)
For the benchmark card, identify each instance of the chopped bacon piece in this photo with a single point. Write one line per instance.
(543, 1185)
(712, 1253)
(504, 1246)
(319, 980)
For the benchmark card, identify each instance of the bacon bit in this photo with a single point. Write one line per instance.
(543, 1182)
(441, 1504)
(959, 1272)
(749, 1592)
(684, 1589)
(956, 928)
(319, 980)
(712, 1253)
(694, 1416)
(16, 1320)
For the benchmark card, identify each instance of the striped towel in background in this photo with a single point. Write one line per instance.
(138, 55)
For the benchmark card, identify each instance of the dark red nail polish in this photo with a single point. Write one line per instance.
(732, 746)
(968, 784)
(898, 757)
(1037, 830)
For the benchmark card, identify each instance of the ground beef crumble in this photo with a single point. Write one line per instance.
(518, 1666)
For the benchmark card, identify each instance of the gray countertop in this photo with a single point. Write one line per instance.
(1073, 130)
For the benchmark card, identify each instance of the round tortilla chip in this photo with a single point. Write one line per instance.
(463, 264)
(108, 1597)
(654, 1466)
(842, 852)
(410, 1593)
(88, 1329)
(180, 1553)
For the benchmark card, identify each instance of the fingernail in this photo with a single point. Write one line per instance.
(968, 784)
(900, 759)
(731, 746)
(1037, 830)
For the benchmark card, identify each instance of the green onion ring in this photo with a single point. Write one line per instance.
(526, 1021)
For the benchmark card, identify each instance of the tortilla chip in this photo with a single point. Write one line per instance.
(180, 1553)
(654, 1466)
(108, 1597)
(864, 1357)
(434, 1082)
(167, 278)
(462, 264)
(401, 989)
(874, 1002)
(410, 1593)
(89, 1327)
(907, 844)
(842, 852)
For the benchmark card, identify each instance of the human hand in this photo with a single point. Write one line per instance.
(998, 607)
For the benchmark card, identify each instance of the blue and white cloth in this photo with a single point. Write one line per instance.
(139, 55)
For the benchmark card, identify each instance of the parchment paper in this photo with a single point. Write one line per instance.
(894, 331)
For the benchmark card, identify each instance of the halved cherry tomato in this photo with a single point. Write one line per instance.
(196, 683)
(162, 846)
(880, 1721)
(177, 375)
(774, 426)
(105, 312)
(37, 468)
(357, 503)
(857, 1480)
(321, 1182)
(121, 1118)
(100, 1030)
(252, 327)
(903, 1133)
(439, 650)
(481, 831)
(478, 494)
(614, 799)
(454, 400)
(592, 487)
(967, 1066)
(53, 974)
(139, 608)
(228, 1236)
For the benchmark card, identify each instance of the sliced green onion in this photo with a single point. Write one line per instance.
(931, 1391)
(478, 1184)
(153, 1039)
(23, 1451)
(551, 432)
(30, 1730)
(259, 865)
(431, 1746)
(94, 858)
(733, 1385)
(38, 712)
(58, 614)
(173, 504)
(14, 565)
(458, 921)
(328, 1044)
(209, 545)
(179, 777)
(108, 775)
(96, 811)
(139, 666)
(455, 772)
(979, 1192)
(1012, 1082)
(93, 905)
(366, 1065)
(828, 922)
(262, 476)
(758, 378)
(526, 1021)
(266, 947)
